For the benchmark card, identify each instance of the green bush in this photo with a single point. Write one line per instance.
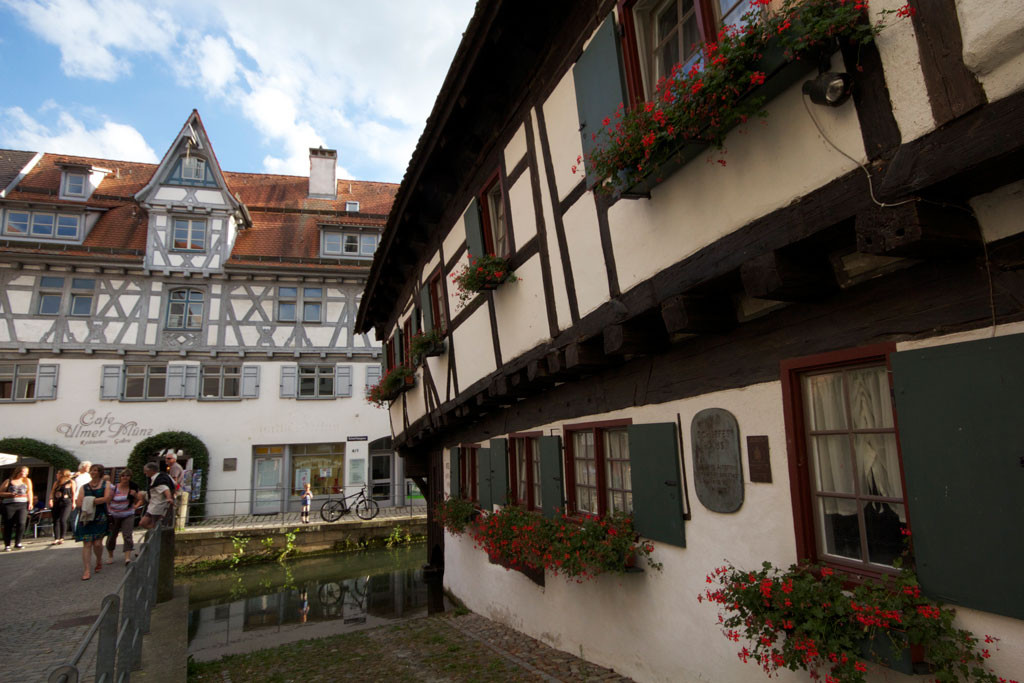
(194, 450)
(47, 452)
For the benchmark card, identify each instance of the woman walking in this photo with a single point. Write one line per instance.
(121, 509)
(15, 492)
(92, 518)
(62, 502)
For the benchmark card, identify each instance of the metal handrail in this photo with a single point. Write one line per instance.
(119, 647)
(246, 497)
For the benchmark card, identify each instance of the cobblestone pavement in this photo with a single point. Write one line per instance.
(291, 519)
(57, 607)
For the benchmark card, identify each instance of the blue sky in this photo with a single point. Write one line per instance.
(271, 78)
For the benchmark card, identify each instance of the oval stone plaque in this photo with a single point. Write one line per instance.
(717, 468)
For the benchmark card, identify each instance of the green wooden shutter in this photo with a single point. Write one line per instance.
(453, 457)
(657, 482)
(552, 492)
(961, 423)
(600, 86)
(415, 327)
(483, 479)
(474, 229)
(399, 349)
(428, 310)
(499, 471)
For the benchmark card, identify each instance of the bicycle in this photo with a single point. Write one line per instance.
(366, 508)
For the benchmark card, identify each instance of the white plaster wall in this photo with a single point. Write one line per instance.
(210, 197)
(703, 202)
(901, 62)
(584, 241)
(19, 300)
(674, 638)
(454, 305)
(555, 256)
(428, 269)
(319, 335)
(560, 117)
(515, 150)
(474, 347)
(521, 312)
(521, 209)
(1000, 212)
(993, 43)
(170, 194)
(455, 238)
(415, 403)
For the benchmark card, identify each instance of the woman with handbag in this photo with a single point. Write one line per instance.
(62, 501)
(91, 528)
(121, 510)
(16, 494)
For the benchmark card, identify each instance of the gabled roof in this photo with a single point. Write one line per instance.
(12, 162)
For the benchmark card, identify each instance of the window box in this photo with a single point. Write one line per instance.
(426, 345)
(480, 274)
(397, 381)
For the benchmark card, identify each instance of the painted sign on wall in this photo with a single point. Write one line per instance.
(93, 427)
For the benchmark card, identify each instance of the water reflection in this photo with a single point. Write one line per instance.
(264, 607)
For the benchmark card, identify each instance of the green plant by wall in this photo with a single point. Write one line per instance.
(238, 545)
(47, 452)
(397, 537)
(455, 513)
(195, 451)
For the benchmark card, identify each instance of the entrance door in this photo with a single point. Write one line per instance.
(380, 476)
(267, 486)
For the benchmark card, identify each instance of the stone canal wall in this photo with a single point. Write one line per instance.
(203, 545)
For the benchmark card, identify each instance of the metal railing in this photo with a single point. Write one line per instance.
(123, 620)
(243, 502)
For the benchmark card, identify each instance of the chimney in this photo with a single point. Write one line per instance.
(323, 165)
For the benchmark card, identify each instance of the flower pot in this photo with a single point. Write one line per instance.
(408, 382)
(490, 284)
(898, 656)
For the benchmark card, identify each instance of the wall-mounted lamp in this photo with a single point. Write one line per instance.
(829, 88)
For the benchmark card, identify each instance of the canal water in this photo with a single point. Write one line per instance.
(263, 606)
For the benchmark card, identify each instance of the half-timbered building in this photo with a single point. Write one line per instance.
(139, 298)
(795, 354)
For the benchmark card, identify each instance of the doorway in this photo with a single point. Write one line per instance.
(267, 473)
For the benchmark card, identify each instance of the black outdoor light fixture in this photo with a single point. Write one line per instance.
(830, 88)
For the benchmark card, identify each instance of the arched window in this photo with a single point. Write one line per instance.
(185, 309)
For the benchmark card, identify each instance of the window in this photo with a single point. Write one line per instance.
(42, 224)
(597, 467)
(524, 461)
(193, 168)
(145, 382)
(407, 342)
(660, 34)
(17, 381)
(221, 381)
(316, 381)
(851, 512)
(493, 205)
(437, 309)
(185, 309)
(322, 465)
(51, 292)
(352, 206)
(189, 234)
(289, 303)
(74, 184)
(353, 244)
(17, 223)
(368, 244)
(81, 296)
(468, 472)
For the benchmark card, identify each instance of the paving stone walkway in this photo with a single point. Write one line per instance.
(56, 606)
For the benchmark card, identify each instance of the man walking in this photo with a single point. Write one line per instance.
(160, 500)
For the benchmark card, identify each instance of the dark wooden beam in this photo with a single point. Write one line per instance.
(698, 314)
(878, 127)
(585, 356)
(789, 275)
(918, 230)
(637, 337)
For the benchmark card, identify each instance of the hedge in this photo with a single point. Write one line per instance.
(195, 452)
(47, 452)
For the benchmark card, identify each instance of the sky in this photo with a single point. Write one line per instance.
(117, 79)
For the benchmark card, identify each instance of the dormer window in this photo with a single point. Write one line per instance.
(74, 184)
(191, 170)
(42, 224)
(349, 244)
(352, 207)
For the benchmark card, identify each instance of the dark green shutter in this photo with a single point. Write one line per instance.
(961, 423)
(657, 482)
(552, 492)
(399, 348)
(483, 479)
(415, 327)
(453, 456)
(474, 230)
(427, 308)
(499, 471)
(600, 86)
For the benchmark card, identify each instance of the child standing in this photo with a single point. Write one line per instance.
(307, 500)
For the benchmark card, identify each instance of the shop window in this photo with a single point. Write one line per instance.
(185, 309)
(189, 234)
(525, 478)
(322, 465)
(598, 469)
(851, 505)
(292, 300)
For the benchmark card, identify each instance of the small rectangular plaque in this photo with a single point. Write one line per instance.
(356, 438)
(230, 464)
(758, 460)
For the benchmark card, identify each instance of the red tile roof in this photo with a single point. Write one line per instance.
(11, 163)
(285, 227)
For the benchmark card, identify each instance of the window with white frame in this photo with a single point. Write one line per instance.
(82, 291)
(352, 207)
(51, 294)
(316, 381)
(598, 469)
(193, 168)
(293, 300)
(42, 224)
(53, 290)
(189, 234)
(185, 309)
(350, 244)
(74, 184)
(144, 382)
(221, 381)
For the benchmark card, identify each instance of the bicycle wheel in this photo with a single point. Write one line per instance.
(332, 510)
(330, 593)
(367, 508)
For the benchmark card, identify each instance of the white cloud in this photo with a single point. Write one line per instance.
(68, 135)
(89, 33)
